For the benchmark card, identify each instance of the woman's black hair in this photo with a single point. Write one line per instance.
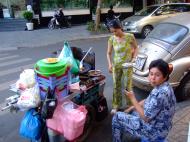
(116, 24)
(162, 66)
(111, 6)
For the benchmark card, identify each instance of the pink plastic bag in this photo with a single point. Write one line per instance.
(74, 120)
(68, 119)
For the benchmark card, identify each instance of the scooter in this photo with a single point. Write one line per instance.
(106, 24)
(53, 23)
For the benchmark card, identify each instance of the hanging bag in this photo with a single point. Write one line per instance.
(31, 125)
(49, 104)
(66, 54)
(29, 98)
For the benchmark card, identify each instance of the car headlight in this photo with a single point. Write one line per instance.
(127, 23)
(134, 24)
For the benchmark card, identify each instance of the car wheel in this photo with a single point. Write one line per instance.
(146, 30)
(183, 90)
(90, 118)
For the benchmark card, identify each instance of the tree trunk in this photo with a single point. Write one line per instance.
(98, 12)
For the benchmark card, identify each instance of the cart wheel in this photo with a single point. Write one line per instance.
(90, 118)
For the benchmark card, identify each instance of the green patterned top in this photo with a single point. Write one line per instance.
(122, 50)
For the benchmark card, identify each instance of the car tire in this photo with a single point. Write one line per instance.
(90, 118)
(146, 30)
(182, 92)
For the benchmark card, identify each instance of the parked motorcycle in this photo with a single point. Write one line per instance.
(54, 22)
(106, 24)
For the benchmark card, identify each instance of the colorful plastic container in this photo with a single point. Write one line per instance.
(45, 68)
(53, 73)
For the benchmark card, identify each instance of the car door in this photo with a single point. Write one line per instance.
(175, 9)
(159, 15)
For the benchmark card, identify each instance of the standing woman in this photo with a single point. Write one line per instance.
(124, 47)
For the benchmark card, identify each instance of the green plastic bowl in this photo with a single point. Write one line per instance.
(47, 69)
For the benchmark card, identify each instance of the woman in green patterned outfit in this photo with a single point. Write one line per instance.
(125, 49)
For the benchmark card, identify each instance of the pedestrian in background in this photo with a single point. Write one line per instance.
(151, 119)
(111, 13)
(61, 17)
(124, 47)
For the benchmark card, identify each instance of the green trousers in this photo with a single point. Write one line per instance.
(119, 75)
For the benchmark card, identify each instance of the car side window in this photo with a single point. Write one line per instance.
(165, 10)
(179, 8)
(187, 7)
(183, 8)
(174, 8)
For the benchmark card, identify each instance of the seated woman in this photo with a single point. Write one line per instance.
(150, 119)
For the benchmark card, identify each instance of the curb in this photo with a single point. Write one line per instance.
(73, 39)
(90, 37)
(9, 49)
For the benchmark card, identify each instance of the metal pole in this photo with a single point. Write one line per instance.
(9, 7)
(8, 4)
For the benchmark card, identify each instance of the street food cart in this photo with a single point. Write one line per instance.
(86, 92)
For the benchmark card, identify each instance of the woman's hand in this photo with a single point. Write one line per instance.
(133, 60)
(130, 95)
(136, 105)
(110, 68)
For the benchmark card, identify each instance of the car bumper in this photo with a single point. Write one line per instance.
(141, 82)
(144, 84)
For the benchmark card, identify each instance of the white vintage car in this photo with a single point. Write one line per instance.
(170, 40)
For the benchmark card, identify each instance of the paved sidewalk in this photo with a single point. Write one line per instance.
(180, 129)
(42, 37)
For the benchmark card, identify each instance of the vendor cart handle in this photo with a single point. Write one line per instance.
(86, 54)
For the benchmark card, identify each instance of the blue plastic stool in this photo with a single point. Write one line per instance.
(158, 140)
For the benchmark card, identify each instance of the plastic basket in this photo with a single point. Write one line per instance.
(60, 82)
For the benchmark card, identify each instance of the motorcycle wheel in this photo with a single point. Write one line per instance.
(68, 24)
(51, 25)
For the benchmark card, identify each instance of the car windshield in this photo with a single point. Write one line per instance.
(168, 32)
(146, 11)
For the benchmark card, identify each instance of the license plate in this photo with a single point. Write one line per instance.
(139, 63)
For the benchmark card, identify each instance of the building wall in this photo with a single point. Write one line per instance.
(17, 4)
(15, 7)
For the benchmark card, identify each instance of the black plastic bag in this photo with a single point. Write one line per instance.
(49, 104)
(77, 53)
(101, 108)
